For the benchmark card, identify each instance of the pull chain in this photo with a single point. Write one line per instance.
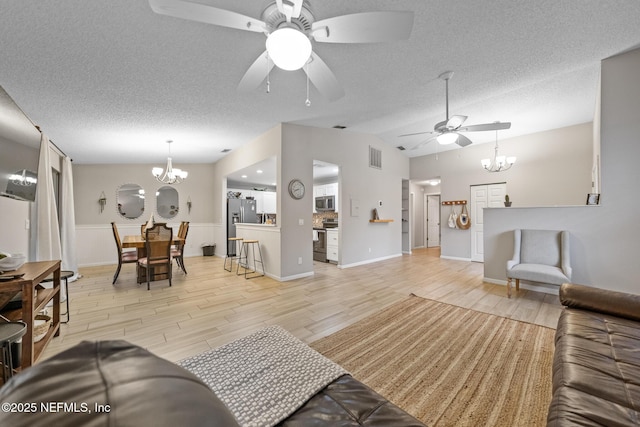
(268, 75)
(306, 70)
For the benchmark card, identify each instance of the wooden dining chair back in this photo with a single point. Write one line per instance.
(157, 261)
(177, 251)
(124, 257)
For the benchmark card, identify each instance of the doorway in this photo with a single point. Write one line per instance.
(432, 220)
(483, 196)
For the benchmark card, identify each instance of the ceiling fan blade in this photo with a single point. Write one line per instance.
(207, 14)
(423, 143)
(366, 27)
(323, 78)
(289, 8)
(417, 133)
(486, 126)
(256, 73)
(455, 122)
(463, 141)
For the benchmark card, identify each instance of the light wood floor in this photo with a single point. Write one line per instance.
(210, 307)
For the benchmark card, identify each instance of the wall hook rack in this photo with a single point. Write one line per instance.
(454, 202)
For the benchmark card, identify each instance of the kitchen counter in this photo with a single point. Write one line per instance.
(269, 237)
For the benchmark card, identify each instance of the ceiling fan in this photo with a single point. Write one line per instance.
(290, 28)
(448, 130)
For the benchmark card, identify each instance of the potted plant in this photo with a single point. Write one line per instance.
(507, 202)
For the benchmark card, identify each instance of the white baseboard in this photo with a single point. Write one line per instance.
(455, 258)
(536, 287)
(293, 277)
(369, 261)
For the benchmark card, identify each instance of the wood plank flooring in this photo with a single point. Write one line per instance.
(210, 306)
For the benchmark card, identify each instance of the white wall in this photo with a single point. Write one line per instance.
(14, 237)
(604, 239)
(553, 168)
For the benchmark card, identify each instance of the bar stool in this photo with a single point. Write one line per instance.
(10, 332)
(238, 242)
(64, 276)
(245, 249)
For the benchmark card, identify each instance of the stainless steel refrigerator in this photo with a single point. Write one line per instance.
(239, 211)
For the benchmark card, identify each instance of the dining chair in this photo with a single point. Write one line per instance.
(177, 251)
(158, 252)
(124, 257)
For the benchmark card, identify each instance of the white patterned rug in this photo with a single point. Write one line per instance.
(264, 377)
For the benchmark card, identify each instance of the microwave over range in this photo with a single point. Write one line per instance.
(325, 203)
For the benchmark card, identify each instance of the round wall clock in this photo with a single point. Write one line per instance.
(296, 189)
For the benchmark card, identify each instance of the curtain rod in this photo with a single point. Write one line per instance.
(62, 153)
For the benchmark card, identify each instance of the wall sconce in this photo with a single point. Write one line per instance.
(189, 204)
(102, 201)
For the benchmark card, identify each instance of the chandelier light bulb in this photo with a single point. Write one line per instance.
(288, 48)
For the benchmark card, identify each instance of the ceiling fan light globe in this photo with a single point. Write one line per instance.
(447, 138)
(288, 48)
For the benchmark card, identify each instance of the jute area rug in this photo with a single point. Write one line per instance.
(450, 366)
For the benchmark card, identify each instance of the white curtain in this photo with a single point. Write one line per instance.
(47, 228)
(68, 220)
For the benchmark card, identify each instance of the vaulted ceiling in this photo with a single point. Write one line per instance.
(111, 81)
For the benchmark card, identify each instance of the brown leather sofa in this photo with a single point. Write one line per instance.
(596, 367)
(115, 383)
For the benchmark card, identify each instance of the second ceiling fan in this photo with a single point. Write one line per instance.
(290, 28)
(448, 130)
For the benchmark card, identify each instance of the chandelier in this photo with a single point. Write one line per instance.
(24, 178)
(499, 163)
(169, 175)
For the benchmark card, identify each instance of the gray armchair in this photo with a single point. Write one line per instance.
(539, 256)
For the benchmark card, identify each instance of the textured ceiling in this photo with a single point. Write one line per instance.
(111, 81)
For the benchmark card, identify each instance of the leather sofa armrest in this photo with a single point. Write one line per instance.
(601, 300)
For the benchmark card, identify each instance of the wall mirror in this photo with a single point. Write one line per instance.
(167, 202)
(130, 199)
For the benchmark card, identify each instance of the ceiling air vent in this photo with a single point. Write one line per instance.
(401, 148)
(226, 150)
(339, 127)
(375, 158)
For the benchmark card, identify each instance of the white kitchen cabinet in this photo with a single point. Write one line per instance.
(333, 250)
(269, 202)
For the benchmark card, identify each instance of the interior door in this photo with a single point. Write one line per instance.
(483, 196)
(433, 221)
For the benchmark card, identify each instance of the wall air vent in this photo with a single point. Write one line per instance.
(375, 158)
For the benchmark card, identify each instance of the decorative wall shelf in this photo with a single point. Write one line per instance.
(380, 220)
(454, 202)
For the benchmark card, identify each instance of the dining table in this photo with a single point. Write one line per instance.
(139, 243)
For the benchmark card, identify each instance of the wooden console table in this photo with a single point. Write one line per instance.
(29, 284)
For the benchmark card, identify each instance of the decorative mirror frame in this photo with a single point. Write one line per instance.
(118, 200)
(171, 208)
